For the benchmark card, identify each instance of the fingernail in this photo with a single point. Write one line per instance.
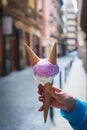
(40, 109)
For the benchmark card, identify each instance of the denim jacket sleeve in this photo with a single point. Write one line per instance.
(78, 116)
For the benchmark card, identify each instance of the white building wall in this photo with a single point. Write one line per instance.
(71, 23)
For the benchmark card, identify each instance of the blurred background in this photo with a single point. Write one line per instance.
(39, 24)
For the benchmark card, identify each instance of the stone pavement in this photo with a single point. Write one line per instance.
(19, 102)
(77, 86)
(19, 99)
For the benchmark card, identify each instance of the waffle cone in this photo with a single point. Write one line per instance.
(46, 103)
(52, 56)
(31, 55)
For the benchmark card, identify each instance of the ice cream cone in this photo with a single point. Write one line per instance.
(52, 56)
(32, 56)
(47, 90)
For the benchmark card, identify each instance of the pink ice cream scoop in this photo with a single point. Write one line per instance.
(44, 68)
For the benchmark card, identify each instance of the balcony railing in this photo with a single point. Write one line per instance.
(19, 5)
(31, 13)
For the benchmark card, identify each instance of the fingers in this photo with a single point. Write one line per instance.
(56, 89)
(54, 92)
(40, 89)
(41, 98)
(40, 109)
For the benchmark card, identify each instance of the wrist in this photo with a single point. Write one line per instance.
(70, 104)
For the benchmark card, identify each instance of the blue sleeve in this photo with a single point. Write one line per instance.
(78, 116)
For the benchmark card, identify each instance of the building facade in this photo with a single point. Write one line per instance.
(52, 23)
(71, 24)
(19, 24)
(82, 31)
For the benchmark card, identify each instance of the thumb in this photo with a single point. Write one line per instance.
(55, 91)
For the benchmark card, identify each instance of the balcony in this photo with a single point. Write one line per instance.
(22, 12)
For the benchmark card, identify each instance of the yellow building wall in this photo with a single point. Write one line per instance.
(33, 4)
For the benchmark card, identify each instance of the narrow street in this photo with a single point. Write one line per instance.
(40, 24)
(19, 101)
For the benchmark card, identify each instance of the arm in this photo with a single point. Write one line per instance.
(72, 109)
(78, 116)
